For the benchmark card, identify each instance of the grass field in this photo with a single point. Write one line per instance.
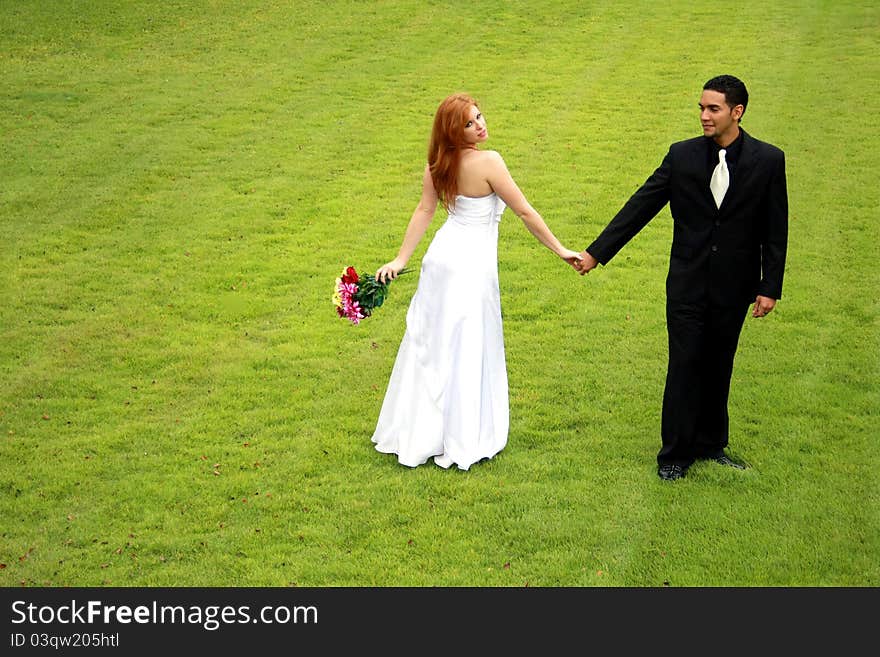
(182, 182)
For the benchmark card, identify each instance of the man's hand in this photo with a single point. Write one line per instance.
(586, 262)
(763, 305)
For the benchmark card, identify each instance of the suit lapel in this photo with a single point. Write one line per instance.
(699, 157)
(745, 169)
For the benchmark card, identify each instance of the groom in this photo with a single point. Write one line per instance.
(727, 194)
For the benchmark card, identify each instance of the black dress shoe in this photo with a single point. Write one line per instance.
(729, 462)
(670, 472)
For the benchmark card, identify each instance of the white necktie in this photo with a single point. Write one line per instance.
(720, 179)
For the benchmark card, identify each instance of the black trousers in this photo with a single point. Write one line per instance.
(702, 344)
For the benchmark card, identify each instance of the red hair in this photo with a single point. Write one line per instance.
(444, 150)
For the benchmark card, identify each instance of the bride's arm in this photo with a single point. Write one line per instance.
(502, 182)
(418, 224)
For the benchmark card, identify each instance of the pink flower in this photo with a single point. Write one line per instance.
(351, 309)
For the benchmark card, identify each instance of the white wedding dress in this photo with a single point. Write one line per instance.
(447, 396)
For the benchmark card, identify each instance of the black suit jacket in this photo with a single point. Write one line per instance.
(724, 255)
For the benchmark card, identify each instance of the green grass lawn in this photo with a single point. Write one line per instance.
(182, 182)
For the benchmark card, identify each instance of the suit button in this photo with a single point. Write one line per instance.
(714, 248)
(717, 223)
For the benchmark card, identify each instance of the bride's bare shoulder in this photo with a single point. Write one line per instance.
(491, 158)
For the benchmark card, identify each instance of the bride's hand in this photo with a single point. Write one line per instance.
(573, 258)
(389, 271)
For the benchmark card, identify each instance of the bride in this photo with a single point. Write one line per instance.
(447, 395)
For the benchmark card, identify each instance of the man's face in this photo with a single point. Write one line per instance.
(719, 120)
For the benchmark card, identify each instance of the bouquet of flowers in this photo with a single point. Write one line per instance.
(356, 296)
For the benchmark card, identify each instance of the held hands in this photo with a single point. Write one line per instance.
(389, 271)
(571, 257)
(763, 305)
(585, 262)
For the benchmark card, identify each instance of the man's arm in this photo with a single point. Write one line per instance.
(632, 217)
(774, 241)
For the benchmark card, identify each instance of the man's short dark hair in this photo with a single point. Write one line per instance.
(734, 90)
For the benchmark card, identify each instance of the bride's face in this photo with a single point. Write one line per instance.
(475, 131)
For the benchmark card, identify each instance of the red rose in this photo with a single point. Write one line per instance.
(350, 275)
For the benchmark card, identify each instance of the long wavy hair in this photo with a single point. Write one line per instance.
(447, 139)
